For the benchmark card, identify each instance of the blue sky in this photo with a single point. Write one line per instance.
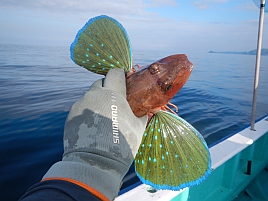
(172, 25)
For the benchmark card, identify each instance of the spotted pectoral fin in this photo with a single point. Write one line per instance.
(172, 154)
(102, 44)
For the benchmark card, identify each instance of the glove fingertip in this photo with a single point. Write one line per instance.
(97, 84)
(144, 120)
(115, 80)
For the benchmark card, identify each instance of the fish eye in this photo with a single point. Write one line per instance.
(154, 68)
(168, 87)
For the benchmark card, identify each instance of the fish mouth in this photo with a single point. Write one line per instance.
(191, 66)
(171, 73)
(177, 61)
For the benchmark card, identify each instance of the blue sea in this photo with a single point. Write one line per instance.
(39, 84)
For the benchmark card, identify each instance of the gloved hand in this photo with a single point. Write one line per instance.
(101, 138)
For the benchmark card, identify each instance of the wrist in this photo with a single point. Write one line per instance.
(96, 172)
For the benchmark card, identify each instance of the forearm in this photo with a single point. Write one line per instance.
(55, 190)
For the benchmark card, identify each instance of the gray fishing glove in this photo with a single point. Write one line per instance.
(101, 138)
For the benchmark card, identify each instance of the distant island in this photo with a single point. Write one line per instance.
(264, 51)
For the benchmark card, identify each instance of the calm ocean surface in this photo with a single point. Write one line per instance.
(39, 84)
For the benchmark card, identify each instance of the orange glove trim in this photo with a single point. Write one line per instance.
(83, 185)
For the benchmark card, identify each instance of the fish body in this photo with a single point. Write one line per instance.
(151, 88)
(172, 154)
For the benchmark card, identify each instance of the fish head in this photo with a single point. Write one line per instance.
(172, 72)
(152, 87)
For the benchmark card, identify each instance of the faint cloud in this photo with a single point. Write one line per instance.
(160, 3)
(73, 6)
(251, 22)
(217, 1)
(123, 10)
(200, 5)
(116, 7)
(250, 6)
(203, 5)
(218, 23)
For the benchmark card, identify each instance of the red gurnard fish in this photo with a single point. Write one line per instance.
(150, 89)
(172, 154)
